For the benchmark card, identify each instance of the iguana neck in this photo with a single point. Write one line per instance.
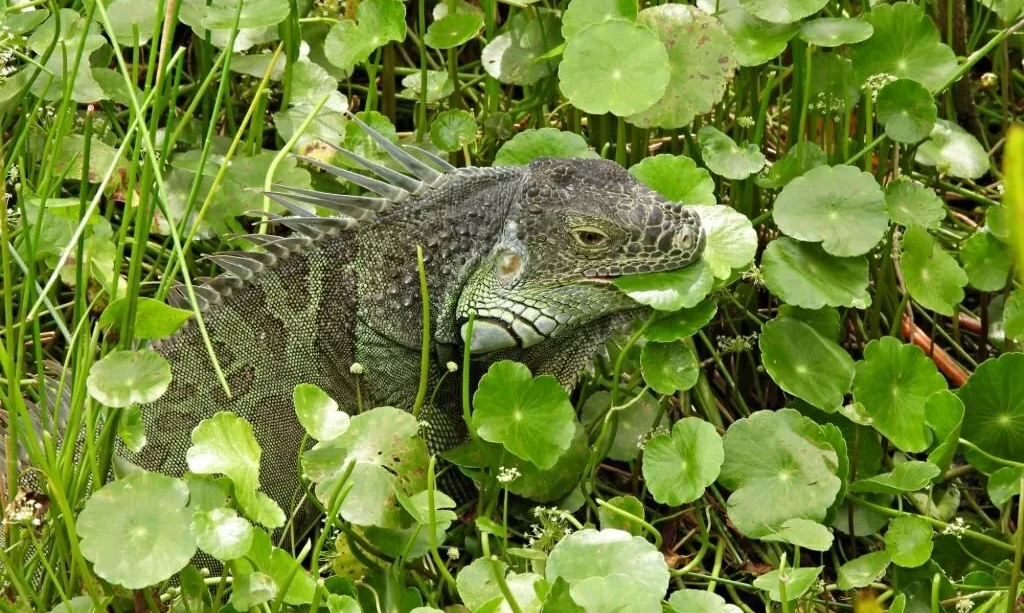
(456, 225)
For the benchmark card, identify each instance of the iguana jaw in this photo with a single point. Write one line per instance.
(523, 319)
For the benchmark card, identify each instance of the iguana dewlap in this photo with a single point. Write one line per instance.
(530, 249)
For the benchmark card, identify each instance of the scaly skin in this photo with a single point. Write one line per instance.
(530, 250)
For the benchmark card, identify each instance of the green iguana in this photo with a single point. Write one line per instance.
(531, 250)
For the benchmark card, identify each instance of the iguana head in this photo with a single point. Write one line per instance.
(576, 225)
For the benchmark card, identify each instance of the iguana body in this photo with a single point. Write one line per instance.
(529, 249)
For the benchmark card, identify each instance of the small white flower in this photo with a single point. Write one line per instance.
(754, 276)
(737, 344)
(964, 605)
(424, 424)
(356, 368)
(508, 475)
(745, 122)
(452, 366)
(453, 554)
(876, 82)
(987, 81)
(957, 527)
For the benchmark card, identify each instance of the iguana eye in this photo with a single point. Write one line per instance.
(590, 237)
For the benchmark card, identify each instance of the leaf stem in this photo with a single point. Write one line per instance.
(633, 518)
(941, 525)
(499, 575)
(421, 394)
(432, 528)
(1018, 553)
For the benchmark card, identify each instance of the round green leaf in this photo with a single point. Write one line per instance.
(802, 274)
(994, 407)
(863, 571)
(635, 422)
(592, 553)
(986, 261)
(123, 378)
(78, 604)
(699, 601)
(222, 533)
(1004, 484)
(905, 45)
(669, 291)
(909, 541)
(128, 15)
(253, 14)
(803, 533)
(677, 467)
(805, 363)
(907, 110)
(135, 530)
(583, 13)
(700, 55)
(681, 324)
(757, 41)
(310, 82)
(932, 276)
(380, 22)
(1013, 316)
(529, 145)
(912, 204)
(909, 476)
(840, 206)
(825, 320)
(629, 504)
(131, 429)
(453, 30)
(439, 85)
(553, 483)
(782, 11)
(389, 455)
(1008, 10)
(953, 151)
(251, 590)
(796, 580)
(225, 444)
(532, 418)
(669, 367)
(800, 158)
(615, 67)
(452, 130)
(676, 177)
(997, 221)
(835, 31)
(731, 239)
(779, 467)
(514, 56)
(893, 383)
(615, 593)
(727, 159)
(153, 319)
(318, 413)
(477, 585)
(944, 413)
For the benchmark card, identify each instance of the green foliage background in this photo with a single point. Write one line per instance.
(826, 412)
